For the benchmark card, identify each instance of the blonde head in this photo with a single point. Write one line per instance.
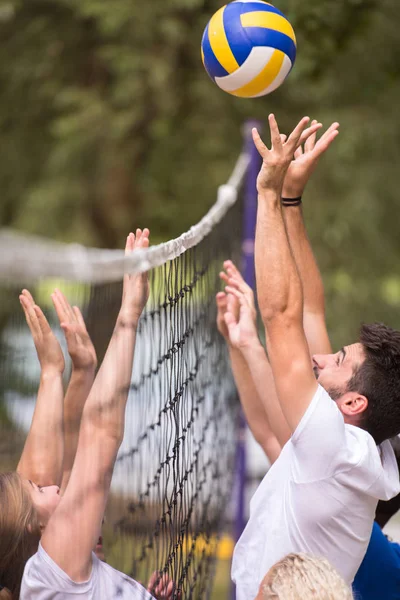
(303, 577)
(19, 533)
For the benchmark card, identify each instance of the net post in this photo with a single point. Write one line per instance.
(248, 270)
(250, 203)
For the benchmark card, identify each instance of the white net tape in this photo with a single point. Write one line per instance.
(25, 258)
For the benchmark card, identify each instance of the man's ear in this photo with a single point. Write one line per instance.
(353, 404)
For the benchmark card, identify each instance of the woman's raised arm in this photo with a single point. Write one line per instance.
(84, 363)
(42, 456)
(74, 527)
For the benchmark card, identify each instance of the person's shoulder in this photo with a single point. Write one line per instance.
(42, 574)
(119, 584)
(361, 448)
(322, 412)
(371, 467)
(37, 580)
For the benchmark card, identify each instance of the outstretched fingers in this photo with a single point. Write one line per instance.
(43, 322)
(259, 144)
(35, 318)
(239, 283)
(145, 241)
(28, 304)
(233, 305)
(34, 314)
(299, 152)
(224, 276)
(81, 329)
(233, 276)
(307, 133)
(230, 266)
(323, 144)
(230, 289)
(26, 293)
(142, 238)
(310, 142)
(244, 289)
(62, 306)
(71, 332)
(222, 303)
(296, 137)
(161, 585)
(276, 141)
(79, 318)
(333, 128)
(230, 319)
(221, 298)
(130, 243)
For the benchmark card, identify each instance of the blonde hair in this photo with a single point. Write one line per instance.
(19, 533)
(303, 577)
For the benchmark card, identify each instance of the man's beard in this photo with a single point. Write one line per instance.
(334, 392)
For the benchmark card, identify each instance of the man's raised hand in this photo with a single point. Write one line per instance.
(305, 161)
(47, 347)
(80, 346)
(276, 161)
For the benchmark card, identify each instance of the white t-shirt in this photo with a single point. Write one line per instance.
(44, 580)
(319, 497)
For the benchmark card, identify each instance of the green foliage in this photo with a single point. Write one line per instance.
(108, 120)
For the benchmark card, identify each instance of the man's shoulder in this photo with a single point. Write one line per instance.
(322, 415)
(368, 466)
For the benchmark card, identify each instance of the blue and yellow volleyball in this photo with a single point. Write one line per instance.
(248, 48)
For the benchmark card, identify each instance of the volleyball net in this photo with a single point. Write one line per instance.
(173, 477)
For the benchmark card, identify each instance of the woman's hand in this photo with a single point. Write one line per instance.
(233, 277)
(237, 315)
(47, 347)
(222, 307)
(80, 346)
(136, 287)
(161, 586)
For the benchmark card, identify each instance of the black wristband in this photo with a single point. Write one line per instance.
(291, 201)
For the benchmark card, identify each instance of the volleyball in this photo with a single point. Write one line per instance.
(248, 48)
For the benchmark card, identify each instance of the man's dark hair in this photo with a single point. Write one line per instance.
(378, 379)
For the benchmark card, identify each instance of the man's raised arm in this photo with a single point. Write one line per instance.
(279, 286)
(297, 176)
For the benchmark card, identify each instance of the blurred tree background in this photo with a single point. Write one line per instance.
(108, 120)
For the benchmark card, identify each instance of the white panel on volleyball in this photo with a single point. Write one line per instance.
(252, 66)
(279, 79)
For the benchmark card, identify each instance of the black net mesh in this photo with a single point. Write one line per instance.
(173, 475)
